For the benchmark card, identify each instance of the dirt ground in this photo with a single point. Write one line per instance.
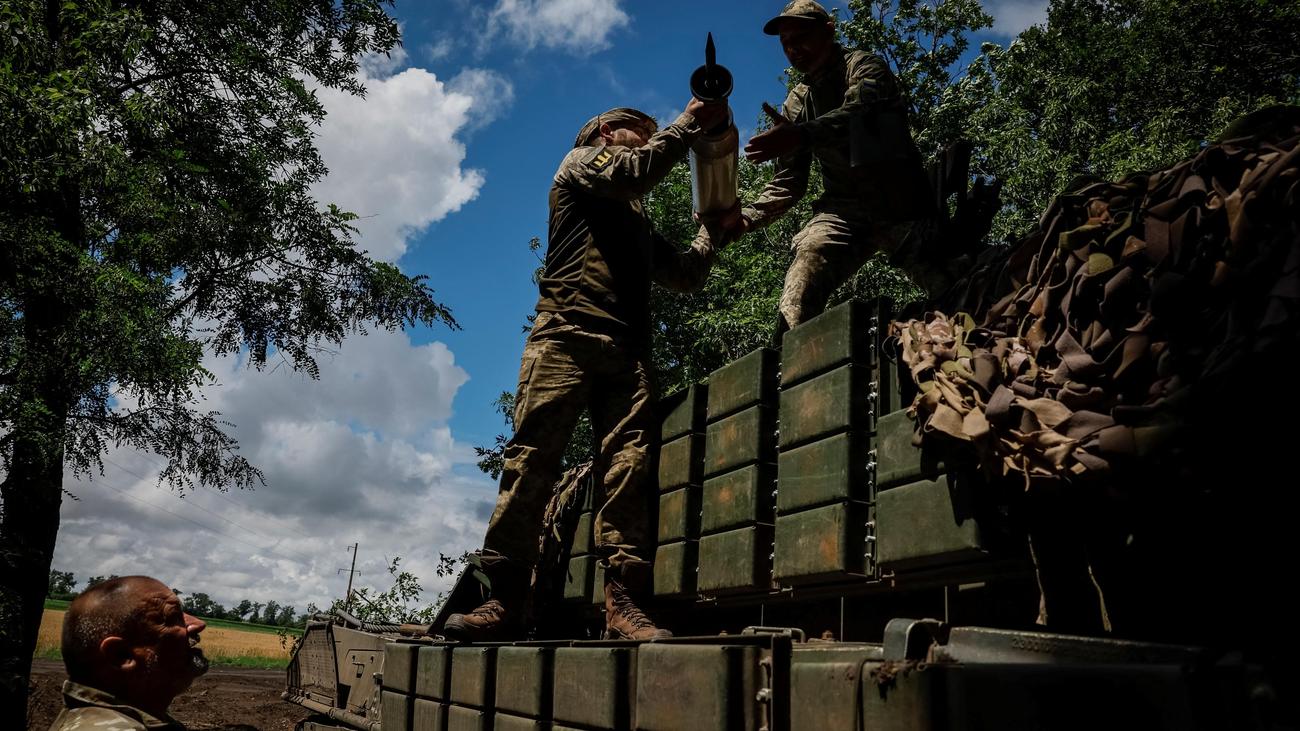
(224, 698)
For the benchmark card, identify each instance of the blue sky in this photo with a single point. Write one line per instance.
(448, 161)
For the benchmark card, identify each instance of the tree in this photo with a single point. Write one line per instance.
(253, 616)
(400, 603)
(95, 580)
(1104, 89)
(155, 167)
(270, 613)
(62, 584)
(201, 605)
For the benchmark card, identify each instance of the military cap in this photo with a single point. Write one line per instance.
(613, 116)
(799, 9)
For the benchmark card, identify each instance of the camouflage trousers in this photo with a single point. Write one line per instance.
(831, 248)
(565, 370)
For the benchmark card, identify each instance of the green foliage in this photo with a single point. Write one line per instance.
(400, 603)
(63, 584)
(1105, 89)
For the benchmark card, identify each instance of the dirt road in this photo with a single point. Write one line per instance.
(247, 700)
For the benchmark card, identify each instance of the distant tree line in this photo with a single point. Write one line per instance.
(63, 586)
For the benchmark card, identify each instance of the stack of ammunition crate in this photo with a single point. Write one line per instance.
(579, 581)
(739, 467)
(825, 483)
(681, 475)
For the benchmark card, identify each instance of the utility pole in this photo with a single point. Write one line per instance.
(347, 601)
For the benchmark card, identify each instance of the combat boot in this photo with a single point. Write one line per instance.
(501, 617)
(624, 618)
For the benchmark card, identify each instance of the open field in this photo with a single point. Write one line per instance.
(225, 643)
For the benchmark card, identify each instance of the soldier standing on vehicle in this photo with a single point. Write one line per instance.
(590, 349)
(850, 115)
(129, 649)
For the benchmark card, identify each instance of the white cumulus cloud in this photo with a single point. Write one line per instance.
(580, 27)
(397, 157)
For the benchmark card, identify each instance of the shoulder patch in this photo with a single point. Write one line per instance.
(599, 157)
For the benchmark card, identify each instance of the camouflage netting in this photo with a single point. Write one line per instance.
(1129, 308)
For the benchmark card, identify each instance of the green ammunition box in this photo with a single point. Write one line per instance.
(824, 685)
(399, 666)
(460, 718)
(736, 498)
(524, 680)
(577, 579)
(845, 333)
(926, 523)
(433, 672)
(396, 710)
(683, 412)
(473, 676)
(504, 722)
(597, 595)
(893, 377)
(821, 544)
(582, 538)
(749, 380)
(679, 515)
(740, 439)
(593, 687)
(681, 462)
(697, 687)
(832, 402)
(429, 715)
(828, 470)
(897, 461)
(675, 567)
(736, 561)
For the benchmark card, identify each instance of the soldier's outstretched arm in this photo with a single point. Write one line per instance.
(870, 82)
(789, 182)
(686, 270)
(628, 173)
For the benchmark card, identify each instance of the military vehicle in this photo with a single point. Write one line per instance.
(799, 529)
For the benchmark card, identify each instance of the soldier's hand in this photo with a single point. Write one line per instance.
(709, 115)
(783, 138)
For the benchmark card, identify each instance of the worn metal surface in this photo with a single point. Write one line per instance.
(821, 544)
(433, 672)
(578, 578)
(504, 722)
(460, 718)
(683, 412)
(926, 523)
(429, 715)
(846, 333)
(833, 402)
(737, 560)
(828, 470)
(523, 680)
(597, 596)
(824, 684)
(743, 438)
(582, 538)
(681, 462)
(314, 670)
(704, 687)
(749, 380)
(399, 666)
(593, 686)
(675, 567)
(473, 676)
(679, 514)
(395, 711)
(737, 498)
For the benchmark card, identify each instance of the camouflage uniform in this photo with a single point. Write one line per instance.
(88, 709)
(589, 346)
(855, 216)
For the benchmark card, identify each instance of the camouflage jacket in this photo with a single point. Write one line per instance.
(88, 709)
(852, 83)
(602, 252)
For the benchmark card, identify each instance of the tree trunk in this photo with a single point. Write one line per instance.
(32, 493)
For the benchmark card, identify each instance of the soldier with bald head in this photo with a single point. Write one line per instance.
(129, 649)
(589, 350)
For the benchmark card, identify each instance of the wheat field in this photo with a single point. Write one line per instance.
(220, 644)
